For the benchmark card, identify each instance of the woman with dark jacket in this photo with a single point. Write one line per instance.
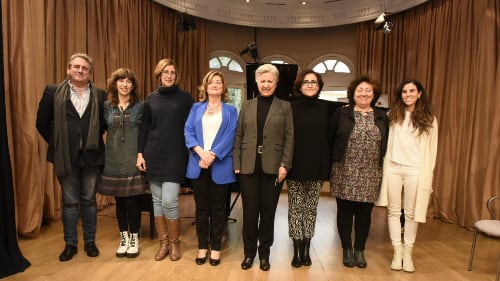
(358, 139)
(311, 165)
(263, 151)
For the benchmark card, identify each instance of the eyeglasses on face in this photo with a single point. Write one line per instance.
(311, 83)
(171, 73)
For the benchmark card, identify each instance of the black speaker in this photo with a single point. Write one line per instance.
(284, 90)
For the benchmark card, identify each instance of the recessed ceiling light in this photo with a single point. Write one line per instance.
(247, 1)
(303, 3)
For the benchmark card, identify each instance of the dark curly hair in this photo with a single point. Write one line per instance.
(421, 116)
(300, 78)
(355, 83)
(118, 74)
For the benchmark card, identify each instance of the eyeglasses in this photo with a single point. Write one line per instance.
(171, 73)
(311, 83)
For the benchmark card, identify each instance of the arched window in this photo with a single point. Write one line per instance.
(280, 59)
(232, 66)
(224, 62)
(337, 72)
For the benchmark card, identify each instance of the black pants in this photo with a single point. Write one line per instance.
(128, 213)
(362, 213)
(260, 198)
(211, 216)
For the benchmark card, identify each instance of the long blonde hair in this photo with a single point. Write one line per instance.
(202, 96)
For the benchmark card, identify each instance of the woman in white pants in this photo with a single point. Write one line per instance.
(408, 168)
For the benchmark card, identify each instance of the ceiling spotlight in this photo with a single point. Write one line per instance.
(383, 23)
(186, 23)
(252, 49)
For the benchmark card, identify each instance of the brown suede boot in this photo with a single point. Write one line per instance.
(161, 229)
(173, 239)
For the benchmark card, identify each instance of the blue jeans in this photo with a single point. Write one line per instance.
(78, 198)
(165, 199)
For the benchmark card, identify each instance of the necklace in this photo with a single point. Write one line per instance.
(213, 109)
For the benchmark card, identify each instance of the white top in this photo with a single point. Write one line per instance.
(427, 143)
(80, 102)
(405, 150)
(211, 124)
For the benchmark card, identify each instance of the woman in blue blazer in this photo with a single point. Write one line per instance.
(209, 132)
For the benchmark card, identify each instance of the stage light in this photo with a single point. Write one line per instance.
(252, 49)
(383, 23)
(186, 23)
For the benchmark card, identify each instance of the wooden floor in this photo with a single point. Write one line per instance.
(441, 253)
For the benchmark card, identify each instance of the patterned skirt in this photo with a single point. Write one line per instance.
(122, 185)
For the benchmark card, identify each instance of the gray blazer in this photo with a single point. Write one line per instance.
(277, 140)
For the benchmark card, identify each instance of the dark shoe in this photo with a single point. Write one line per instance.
(297, 246)
(247, 263)
(200, 261)
(68, 252)
(265, 265)
(306, 259)
(91, 249)
(359, 258)
(348, 257)
(214, 262)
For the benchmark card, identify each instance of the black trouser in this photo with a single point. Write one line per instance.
(211, 216)
(128, 213)
(260, 198)
(362, 213)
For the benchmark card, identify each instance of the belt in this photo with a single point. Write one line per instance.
(260, 149)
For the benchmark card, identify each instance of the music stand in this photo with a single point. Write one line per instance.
(234, 187)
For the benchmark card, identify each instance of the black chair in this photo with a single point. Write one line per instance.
(234, 187)
(146, 205)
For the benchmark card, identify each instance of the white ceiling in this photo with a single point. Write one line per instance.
(289, 13)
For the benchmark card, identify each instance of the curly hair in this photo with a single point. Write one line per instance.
(297, 85)
(355, 83)
(202, 96)
(122, 73)
(421, 116)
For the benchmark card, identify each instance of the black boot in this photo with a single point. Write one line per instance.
(359, 258)
(296, 261)
(306, 259)
(348, 257)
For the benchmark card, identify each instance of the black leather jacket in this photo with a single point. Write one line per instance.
(340, 126)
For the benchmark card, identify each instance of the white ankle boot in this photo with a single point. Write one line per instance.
(124, 244)
(407, 259)
(133, 249)
(397, 259)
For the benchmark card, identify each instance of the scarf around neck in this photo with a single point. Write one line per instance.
(62, 161)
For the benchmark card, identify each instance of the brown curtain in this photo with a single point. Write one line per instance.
(39, 36)
(452, 46)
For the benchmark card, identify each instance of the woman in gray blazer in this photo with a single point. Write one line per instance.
(262, 153)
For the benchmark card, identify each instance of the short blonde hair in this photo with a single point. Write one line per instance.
(267, 68)
(160, 66)
(202, 96)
